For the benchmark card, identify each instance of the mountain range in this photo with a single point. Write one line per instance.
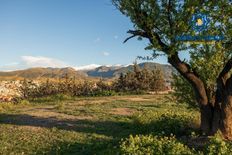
(95, 72)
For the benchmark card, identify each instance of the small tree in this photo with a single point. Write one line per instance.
(120, 84)
(157, 82)
(141, 79)
(146, 78)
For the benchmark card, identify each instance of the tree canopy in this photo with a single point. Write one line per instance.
(161, 21)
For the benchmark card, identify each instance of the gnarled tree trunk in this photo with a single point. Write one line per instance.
(226, 110)
(217, 114)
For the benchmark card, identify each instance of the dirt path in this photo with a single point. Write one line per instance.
(50, 112)
(49, 116)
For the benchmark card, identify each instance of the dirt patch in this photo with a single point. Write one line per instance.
(47, 112)
(88, 102)
(138, 99)
(122, 111)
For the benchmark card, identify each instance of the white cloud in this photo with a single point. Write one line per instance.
(106, 53)
(33, 61)
(39, 61)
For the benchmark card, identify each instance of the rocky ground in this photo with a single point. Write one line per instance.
(8, 90)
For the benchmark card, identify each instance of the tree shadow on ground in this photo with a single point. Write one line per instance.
(108, 128)
(115, 130)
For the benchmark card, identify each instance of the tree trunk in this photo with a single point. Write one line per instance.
(227, 110)
(218, 115)
(227, 118)
(206, 119)
(211, 119)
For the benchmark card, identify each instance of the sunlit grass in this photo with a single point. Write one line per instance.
(93, 125)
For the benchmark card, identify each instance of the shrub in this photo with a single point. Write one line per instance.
(149, 144)
(164, 123)
(218, 146)
(104, 93)
(24, 102)
(61, 97)
(64, 88)
(140, 79)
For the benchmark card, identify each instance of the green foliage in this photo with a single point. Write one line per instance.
(208, 63)
(144, 145)
(60, 106)
(165, 122)
(163, 20)
(183, 92)
(218, 146)
(24, 102)
(10, 105)
(149, 144)
(160, 21)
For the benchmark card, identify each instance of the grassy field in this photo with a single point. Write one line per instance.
(94, 125)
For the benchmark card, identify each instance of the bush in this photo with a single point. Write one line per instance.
(24, 102)
(218, 146)
(64, 88)
(183, 92)
(146, 145)
(164, 123)
(104, 93)
(140, 79)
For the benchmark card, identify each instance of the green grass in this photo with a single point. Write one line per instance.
(93, 125)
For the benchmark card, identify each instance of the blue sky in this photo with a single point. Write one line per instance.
(60, 33)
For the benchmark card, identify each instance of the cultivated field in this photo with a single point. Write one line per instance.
(94, 125)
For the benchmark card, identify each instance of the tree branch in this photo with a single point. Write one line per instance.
(129, 38)
(224, 73)
(169, 17)
(136, 33)
(160, 42)
(185, 70)
(148, 31)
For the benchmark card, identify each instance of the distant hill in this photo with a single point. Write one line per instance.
(102, 71)
(35, 73)
(115, 71)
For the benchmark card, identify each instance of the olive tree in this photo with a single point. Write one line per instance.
(161, 21)
(208, 63)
